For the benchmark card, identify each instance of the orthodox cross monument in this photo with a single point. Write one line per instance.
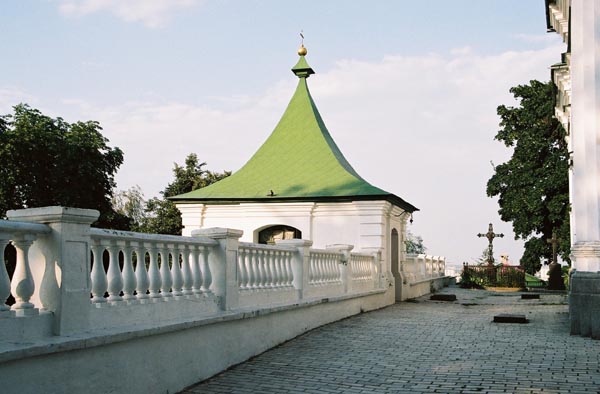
(490, 235)
(555, 278)
(299, 185)
(578, 108)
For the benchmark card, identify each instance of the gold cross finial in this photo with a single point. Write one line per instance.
(302, 51)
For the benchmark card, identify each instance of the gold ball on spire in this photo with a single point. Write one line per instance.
(302, 51)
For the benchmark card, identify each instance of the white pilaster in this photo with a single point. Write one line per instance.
(585, 133)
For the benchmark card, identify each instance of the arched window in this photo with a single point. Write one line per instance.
(270, 234)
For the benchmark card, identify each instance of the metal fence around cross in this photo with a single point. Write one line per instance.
(495, 275)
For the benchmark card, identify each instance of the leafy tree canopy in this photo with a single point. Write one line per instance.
(161, 215)
(533, 186)
(47, 161)
(414, 244)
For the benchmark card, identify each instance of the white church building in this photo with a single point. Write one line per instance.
(578, 108)
(299, 185)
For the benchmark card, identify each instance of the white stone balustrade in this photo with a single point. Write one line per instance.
(362, 267)
(264, 267)
(94, 279)
(324, 268)
(22, 286)
(418, 268)
(142, 266)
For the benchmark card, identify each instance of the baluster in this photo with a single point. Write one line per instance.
(324, 268)
(277, 269)
(252, 269)
(176, 271)
(260, 277)
(270, 259)
(257, 270)
(141, 275)
(277, 272)
(316, 279)
(333, 263)
(335, 267)
(322, 272)
(154, 273)
(165, 272)
(188, 280)
(206, 275)
(283, 279)
(267, 269)
(22, 285)
(312, 271)
(288, 269)
(242, 275)
(4, 279)
(196, 273)
(115, 281)
(129, 280)
(247, 262)
(99, 282)
(362, 269)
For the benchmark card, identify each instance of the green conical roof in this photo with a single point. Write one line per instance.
(298, 162)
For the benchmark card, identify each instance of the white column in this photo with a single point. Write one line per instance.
(222, 264)
(299, 263)
(345, 268)
(67, 247)
(584, 300)
(585, 133)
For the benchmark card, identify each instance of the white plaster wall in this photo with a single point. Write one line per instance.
(364, 224)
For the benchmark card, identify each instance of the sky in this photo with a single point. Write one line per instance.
(408, 89)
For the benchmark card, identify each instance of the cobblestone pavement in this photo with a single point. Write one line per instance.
(429, 347)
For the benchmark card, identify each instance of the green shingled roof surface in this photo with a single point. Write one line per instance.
(299, 161)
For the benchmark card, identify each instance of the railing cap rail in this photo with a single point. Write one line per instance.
(253, 246)
(54, 214)
(361, 254)
(14, 227)
(101, 233)
(326, 251)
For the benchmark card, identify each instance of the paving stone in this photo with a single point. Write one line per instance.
(429, 347)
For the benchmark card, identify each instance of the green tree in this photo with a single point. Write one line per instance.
(533, 186)
(162, 216)
(131, 204)
(47, 161)
(414, 244)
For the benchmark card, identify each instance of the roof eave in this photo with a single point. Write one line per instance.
(399, 202)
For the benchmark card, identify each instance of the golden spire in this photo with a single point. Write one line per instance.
(302, 51)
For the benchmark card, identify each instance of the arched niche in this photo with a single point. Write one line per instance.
(270, 234)
(395, 251)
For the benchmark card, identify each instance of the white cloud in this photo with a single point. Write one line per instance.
(152, 13)
(10, 96)
(546, 39)
(421, 127)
